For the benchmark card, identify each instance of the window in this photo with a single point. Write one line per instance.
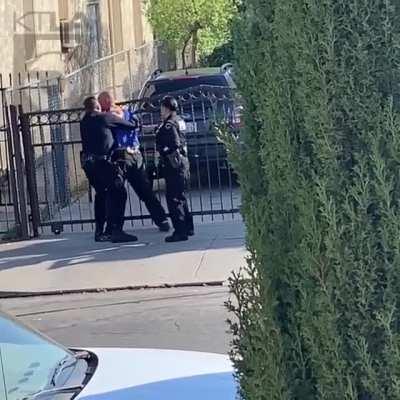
(29, 31)
(70, 29)
(27, 360)
(138, 22)
(93, 34)
(65, 36)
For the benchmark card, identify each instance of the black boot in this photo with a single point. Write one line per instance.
(102, 237)
(122, 237)
(176, 237)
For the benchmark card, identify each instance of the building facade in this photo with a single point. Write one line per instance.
(53, 53)
(88, 45)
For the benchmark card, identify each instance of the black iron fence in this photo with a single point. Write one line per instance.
(33, 92)
(8, 214)
(7, 217)
(57, 193)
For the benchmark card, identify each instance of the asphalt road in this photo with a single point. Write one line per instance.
(182, 319)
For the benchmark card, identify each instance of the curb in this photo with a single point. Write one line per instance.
(15, 295)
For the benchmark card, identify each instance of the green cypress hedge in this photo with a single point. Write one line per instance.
(318, 306)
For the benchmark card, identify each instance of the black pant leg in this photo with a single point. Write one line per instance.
(138, 179)
(169, 195)
(111, 196)
(177, 203)
(116, 203)
(100, 209)
(188, 217)
(91, 170)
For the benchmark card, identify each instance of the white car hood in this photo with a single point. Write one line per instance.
(129, 374)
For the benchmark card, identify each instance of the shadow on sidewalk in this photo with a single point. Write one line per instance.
(76, 249)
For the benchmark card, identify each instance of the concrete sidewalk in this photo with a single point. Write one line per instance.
(74, 262)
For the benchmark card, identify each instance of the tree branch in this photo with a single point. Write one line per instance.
(191, 35)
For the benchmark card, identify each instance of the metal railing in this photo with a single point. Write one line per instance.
(7, 212)
(123, 73)
(59, 195)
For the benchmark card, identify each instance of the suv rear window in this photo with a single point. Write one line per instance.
(162, 86)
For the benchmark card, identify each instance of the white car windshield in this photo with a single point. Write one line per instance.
(28, 361)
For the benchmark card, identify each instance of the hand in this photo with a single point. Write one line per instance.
(118, 111)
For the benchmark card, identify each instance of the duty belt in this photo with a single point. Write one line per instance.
(127, 149)
(93, 157)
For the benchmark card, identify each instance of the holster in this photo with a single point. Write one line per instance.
(177, 160)
(174, 159)
(88, 159)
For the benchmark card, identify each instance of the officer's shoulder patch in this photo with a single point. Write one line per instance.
(182, 125)
(168, 125)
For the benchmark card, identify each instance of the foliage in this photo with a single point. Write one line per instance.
(221, 55)
(179, 21)
(317, 307)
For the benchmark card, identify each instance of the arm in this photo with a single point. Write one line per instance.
(173, 139)
(112, 121)
(83, 137)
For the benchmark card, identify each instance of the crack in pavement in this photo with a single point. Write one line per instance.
(204, 253)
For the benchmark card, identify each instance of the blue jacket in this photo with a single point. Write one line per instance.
(126, 139)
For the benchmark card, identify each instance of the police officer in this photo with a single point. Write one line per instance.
(127, 154)
(103, 176)
(171, 146)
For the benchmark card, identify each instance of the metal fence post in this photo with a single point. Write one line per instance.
(30, 170)
(19, 174)
(13, 181)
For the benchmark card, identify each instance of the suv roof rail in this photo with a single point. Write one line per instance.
(156, 73)
(226, 67)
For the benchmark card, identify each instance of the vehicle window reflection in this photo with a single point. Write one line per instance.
(28, 359)
(3, 394)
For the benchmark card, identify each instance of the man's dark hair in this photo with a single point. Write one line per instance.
(170, 103)
(90, 103)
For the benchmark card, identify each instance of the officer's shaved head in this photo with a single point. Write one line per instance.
(91, 104)
(106, 100)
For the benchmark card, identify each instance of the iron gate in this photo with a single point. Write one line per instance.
(34, 92)
(59, 194)
(10, 215)
(7, 214)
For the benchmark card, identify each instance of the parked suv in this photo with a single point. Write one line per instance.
(206, 97)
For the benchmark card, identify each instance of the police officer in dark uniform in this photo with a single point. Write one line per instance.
(103, 175)
(128, 156)
(171, 146)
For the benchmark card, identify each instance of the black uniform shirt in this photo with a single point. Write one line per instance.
(168, 137)
(96, 132)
